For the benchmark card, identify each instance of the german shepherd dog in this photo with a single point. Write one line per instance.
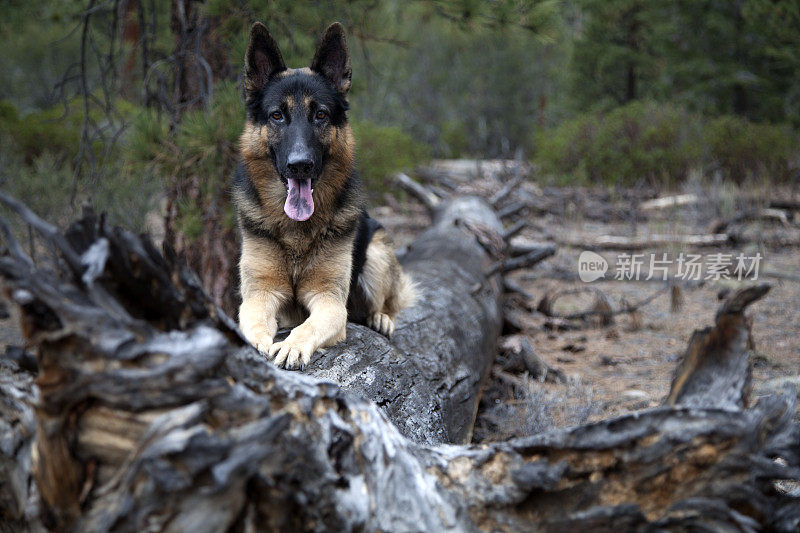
(311, 256)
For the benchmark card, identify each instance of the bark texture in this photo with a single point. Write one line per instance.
(153, 414)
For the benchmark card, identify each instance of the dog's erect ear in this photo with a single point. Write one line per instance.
(262, 60)
(332, 59)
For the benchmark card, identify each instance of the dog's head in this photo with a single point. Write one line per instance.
(297, 114)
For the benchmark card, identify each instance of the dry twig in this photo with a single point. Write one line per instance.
(420, 192)
(548, 301)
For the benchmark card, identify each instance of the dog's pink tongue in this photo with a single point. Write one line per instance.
(299, 203)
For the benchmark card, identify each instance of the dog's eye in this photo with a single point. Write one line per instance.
(277, 115)
(320, 115)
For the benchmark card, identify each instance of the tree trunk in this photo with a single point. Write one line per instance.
(154, 414)
(194, 79)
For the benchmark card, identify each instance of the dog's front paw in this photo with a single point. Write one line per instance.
(258, 335)
(382, 323)
(257, 326)
(292, 353)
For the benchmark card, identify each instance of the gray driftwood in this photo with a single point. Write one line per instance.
(153, 414)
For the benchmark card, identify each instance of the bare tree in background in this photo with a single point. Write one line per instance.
(92, 80)
(119, 58)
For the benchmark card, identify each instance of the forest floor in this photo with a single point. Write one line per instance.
(627, 365)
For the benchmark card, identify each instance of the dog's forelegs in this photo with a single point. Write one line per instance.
(257, 318)
(265, 288)
(382, 280)
(325, 326)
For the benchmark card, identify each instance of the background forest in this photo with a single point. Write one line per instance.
(135, 106)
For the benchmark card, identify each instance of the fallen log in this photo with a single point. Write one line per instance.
(514, 229)
(509, 186)
(714, 240)
(428, 377)
(787, 204)
(778, 215)
(17, 427)
(618, 242)
(160, 417)
(520, 353)
(669, 201)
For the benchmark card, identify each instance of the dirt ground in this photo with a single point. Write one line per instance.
(628, 365)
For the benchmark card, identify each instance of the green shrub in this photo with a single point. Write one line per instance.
(642, 140)
(37, 152)
(57, 129)
(564, 150)
(50, 131)
(8, 113)
(47, 185)
(455, 139)
(744, 150)
(203, 144)
(202, 131)
(382, 151)
(661, 143)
